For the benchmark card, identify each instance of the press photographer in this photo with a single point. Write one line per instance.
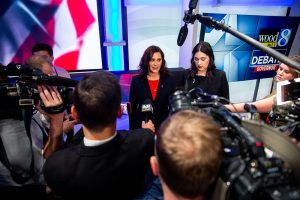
(25, 141)
(284, 73)
(282, 106)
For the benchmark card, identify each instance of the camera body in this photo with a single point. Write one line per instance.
(285, 114)
(247, 172)
(19, 90)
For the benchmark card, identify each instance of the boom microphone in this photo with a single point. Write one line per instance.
(188, 18)
(147, 110)
(192, 5)
(182, 35)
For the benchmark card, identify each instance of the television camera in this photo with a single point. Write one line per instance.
(19, 95)
(247, 172)
(286, 111)
(18, 89)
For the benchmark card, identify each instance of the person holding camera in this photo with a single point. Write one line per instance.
(283, 73)
(39, 62)
(45, 50)
(22, 150)
(107, 164)
(188, 157)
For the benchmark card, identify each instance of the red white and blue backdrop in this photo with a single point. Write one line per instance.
(70, 26)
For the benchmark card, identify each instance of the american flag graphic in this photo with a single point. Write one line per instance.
(70, 26)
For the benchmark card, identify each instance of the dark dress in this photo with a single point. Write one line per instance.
(114, 170)
(217, 84)
(140, 91)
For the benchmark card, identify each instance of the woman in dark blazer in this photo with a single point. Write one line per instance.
(152, 86)
(203, 72)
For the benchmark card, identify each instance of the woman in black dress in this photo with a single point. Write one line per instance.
(203, 72)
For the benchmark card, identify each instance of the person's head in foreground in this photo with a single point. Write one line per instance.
(97, 101)
(189, 153)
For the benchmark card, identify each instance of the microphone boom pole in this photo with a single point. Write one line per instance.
(211, 23)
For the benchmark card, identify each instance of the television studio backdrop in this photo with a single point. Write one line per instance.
(89, 35)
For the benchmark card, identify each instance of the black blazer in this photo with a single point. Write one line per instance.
(217, 84)
(140, 91)
(114, 170)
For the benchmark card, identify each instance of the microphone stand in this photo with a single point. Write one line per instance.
(211, 23)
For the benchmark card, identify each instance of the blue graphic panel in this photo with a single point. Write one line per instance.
(242, 61)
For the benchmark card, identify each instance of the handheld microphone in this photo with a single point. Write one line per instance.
(147, 110)
(182, 35)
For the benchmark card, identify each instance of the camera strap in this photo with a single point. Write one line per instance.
(55, 109)
(19, 177)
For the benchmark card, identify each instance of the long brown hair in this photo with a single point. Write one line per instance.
(147, 56)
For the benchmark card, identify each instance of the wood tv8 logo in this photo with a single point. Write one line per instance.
(274, 37)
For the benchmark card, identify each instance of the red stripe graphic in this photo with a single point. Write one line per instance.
(82, 20)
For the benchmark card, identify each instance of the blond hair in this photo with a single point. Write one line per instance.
(189, 152)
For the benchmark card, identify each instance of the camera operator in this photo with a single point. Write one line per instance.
(37, 61)
(276, 116)
(45, 50)
(23, 153)
(265, 105)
